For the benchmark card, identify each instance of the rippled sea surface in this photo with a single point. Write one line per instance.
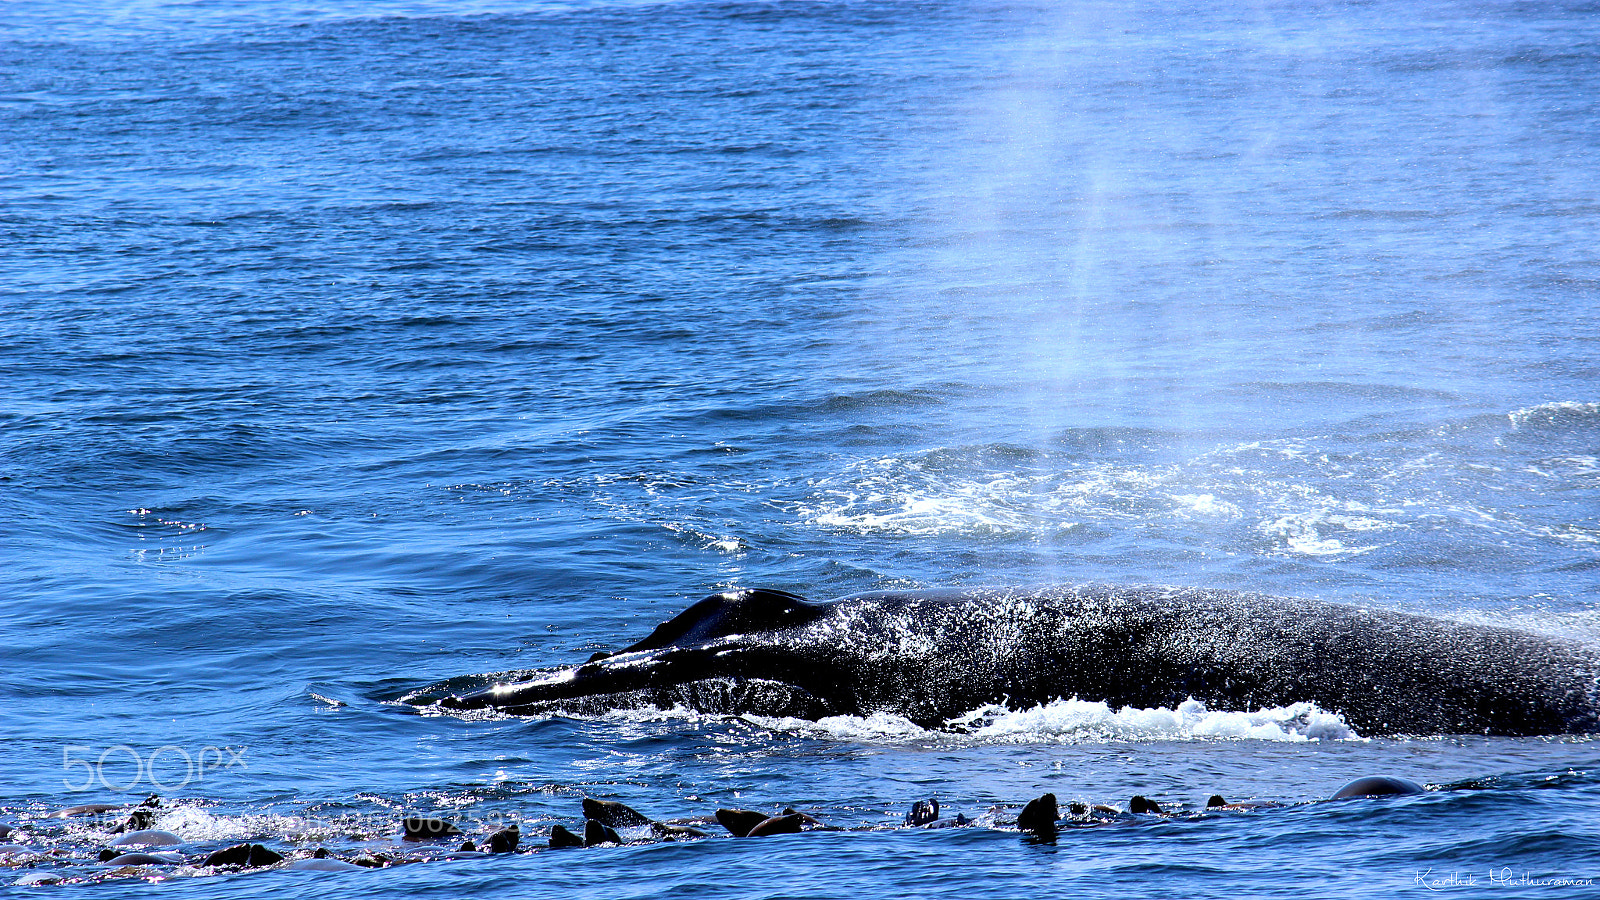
(349, 347)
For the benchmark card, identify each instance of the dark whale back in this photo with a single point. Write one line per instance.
(731, 613)
(935, 656)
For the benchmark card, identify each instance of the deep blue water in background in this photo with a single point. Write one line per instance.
(348, 347)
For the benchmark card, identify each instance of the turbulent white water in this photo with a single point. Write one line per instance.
(1081, 721)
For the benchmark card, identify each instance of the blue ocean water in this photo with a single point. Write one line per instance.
(350, 347)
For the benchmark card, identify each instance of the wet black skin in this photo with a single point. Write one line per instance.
(932, 656)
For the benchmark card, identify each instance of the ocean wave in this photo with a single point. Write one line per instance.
(1561, 415)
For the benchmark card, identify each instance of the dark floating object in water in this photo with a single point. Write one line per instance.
(1377, 786)
(740, 821)
(1215, 801)
(809, 823)
(923, 812)
(749, 823)
(772, 653)
(614, 814)
(617, 815)
(561, 838)
(143, 815)
(250, 856)
(505, 840)
(669, 832)
(793, 823)
(1039, 815)
(594, 834)
(426, 828)
(1141, 805)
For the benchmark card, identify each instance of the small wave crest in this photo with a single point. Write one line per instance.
(1566, 414)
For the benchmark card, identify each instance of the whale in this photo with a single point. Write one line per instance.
(934, 656)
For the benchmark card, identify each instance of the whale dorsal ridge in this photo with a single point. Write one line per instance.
(731, 612)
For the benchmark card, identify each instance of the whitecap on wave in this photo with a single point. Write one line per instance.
(1563, 414)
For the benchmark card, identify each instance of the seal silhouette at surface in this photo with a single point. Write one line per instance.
(934, 655)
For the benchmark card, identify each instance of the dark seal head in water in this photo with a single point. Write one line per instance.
(932, 656)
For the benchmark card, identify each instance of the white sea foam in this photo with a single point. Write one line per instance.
(1084, 721)
(1205, 506)
(910, 496)
(958, 491)
(1317, 532)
